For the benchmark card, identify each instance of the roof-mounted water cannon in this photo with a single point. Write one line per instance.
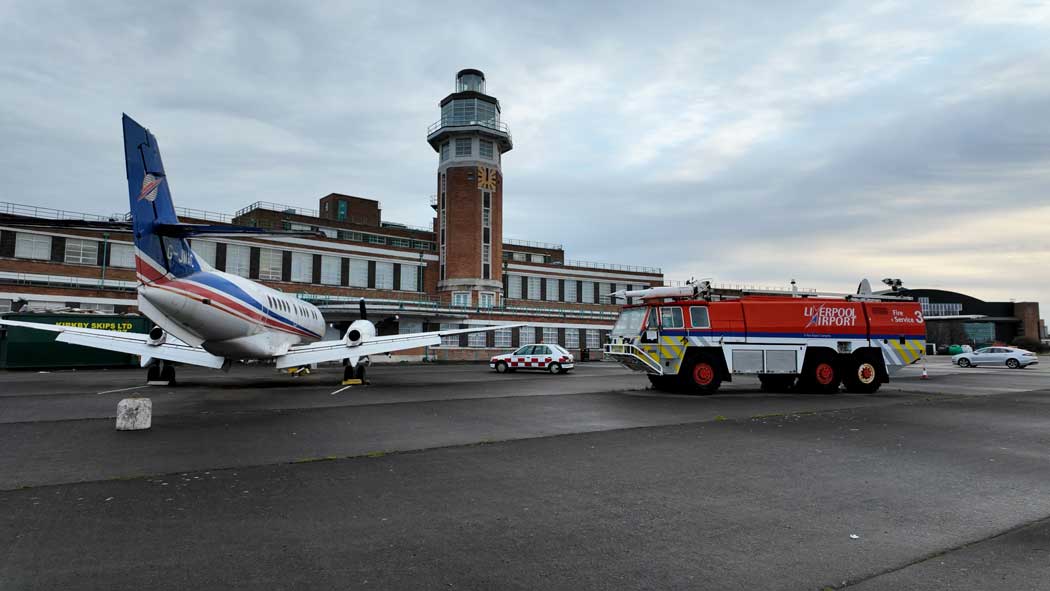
(895, 284)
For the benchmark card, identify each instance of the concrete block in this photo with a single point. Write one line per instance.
(134, 414)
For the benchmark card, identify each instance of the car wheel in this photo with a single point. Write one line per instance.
(1013, 363)
(964, 362)
(554, 368)
(501, 367)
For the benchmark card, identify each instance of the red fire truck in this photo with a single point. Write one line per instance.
(695, 337)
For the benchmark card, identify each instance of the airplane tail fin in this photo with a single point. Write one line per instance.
(156, 256)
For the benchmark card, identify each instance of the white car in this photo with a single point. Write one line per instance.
(1011, 357)
(552, 358)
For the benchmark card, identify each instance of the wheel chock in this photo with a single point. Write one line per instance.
(352, 382)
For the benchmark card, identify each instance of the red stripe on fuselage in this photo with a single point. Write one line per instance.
(234, 305)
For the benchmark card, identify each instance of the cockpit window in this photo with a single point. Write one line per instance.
(630, 322)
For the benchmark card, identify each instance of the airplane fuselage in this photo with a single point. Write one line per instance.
(227, 315)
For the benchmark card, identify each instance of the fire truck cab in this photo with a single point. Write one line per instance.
(692, 339)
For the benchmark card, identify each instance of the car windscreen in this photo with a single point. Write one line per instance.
(629, 323)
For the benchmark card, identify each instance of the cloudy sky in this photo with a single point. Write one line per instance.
(749, 142)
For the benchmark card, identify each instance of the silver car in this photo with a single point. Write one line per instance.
(1011, 357)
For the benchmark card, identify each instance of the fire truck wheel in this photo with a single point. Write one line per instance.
(702, 377)
(777, 383)
(862, 378)
(822, 377)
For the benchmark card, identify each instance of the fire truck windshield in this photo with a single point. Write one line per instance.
(629, 323)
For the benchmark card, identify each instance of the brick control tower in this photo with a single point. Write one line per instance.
(470, 141)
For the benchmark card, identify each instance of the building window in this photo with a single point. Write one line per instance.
(504, 338)
(603, 293)
(358, 273)
(570, 290)
(486, 216)
(526, 335)
(588, 292)
(402, 242)
(373, 239)
(477, 339)
(463, 146)
(444, 151)
(204, 249)
(552, 290)
(238, 259)
(514, 287)
(486, 299)
(521, 256)
(32, 246)
(331, 270)
(270, 264)
(341, 213)
(594, 339)
(486, 254)
(81, 252)
(572, 338)
(485, 149)
(534, 287)
(550, 335)
(538, 258)
(384, 275)
(104, 308)
(461, 299)
(449, 341)
(409, 278)
(123, 255)
(302, 267)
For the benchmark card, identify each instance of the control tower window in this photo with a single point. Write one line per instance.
(463, 147)
(444, 151)
(485, 149)
(470, 82)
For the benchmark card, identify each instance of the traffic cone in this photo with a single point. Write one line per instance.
(925, 376)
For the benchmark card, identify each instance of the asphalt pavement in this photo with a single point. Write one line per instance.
(453, 477)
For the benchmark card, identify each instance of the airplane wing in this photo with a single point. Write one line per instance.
(126, 342)
(323, 351)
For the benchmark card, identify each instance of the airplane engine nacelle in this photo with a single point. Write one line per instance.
(157, 336)
(360, 331)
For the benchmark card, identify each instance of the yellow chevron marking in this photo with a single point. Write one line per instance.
(913, 346)
(904, 355)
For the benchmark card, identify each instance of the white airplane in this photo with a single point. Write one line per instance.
(209, 318)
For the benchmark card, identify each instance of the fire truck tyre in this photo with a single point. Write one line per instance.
(663, 383)
(822, 377)
(501, 367)
(702, 377)
(862, 378)
(776, 383)
(554, 368)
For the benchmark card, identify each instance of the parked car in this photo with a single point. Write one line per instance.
(1011, 357)
(552, 358)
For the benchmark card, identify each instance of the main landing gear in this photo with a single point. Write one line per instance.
(161, 373)
(355, 373)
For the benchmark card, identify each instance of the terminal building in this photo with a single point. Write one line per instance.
(957, 318)
(459, 272)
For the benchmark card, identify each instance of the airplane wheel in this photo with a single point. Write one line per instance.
(153, 373)
(167, 374)
(359, 372)
(348, 373)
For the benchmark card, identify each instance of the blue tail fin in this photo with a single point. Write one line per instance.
(156, 256)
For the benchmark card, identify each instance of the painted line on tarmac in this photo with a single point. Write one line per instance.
(340, 390)
(123, 389)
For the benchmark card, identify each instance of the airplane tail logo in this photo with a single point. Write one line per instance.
(150, 184)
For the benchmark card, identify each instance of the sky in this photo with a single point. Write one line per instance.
(745, 142)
